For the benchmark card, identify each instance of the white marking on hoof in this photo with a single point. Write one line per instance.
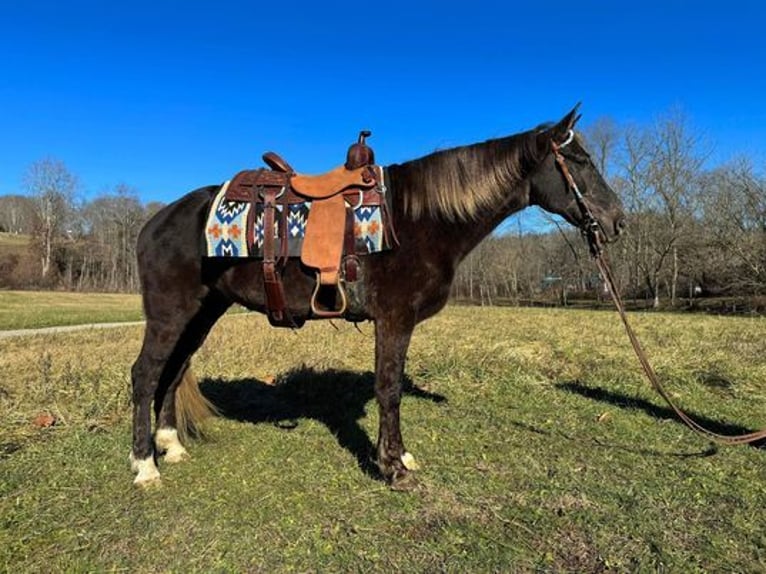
(409, 462)
(166, 440)
(133, 462)
(175, 455)
(147, 472)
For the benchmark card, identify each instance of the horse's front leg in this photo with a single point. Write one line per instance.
(392, 339)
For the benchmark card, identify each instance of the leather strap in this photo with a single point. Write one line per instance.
(746, 438)
(275, 293)
(389, 232)
(284, 251)
(350, 259)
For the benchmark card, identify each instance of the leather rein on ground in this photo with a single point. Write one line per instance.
(593, 234)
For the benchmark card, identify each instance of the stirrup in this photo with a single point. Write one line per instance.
(322, 313)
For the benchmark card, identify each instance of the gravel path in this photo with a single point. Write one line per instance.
(63, 329)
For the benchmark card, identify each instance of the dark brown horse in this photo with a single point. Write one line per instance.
(443, 205)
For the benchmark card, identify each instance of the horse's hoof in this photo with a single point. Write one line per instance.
(404, 482)
(147, 482)
(176, 455)
(166, 441)
(148, 474)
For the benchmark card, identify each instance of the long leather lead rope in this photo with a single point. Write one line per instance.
(747, 438)
(592, 232)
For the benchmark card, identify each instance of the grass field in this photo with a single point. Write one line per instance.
(34, 309)
(14, 241)
(542, 450)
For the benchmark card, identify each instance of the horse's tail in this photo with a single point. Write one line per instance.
(192, 408)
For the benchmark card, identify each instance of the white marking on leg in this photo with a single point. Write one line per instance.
(147, 471)
(133, 462)
(166, 440)
(409, 461)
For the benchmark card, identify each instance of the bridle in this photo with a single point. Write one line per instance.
(591, 230)
(590, 227)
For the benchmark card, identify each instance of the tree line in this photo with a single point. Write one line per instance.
(76, 245)
(693, 229)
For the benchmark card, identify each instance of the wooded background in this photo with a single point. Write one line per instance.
(694, 230)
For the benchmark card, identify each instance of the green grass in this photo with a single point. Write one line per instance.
(34, 309)
(542, 450)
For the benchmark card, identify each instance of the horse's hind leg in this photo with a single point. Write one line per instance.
(156, 370)
(168, 344)
(147, 371)
(190, 407)
(166, 437)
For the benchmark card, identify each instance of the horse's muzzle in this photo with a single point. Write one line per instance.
(618, 227)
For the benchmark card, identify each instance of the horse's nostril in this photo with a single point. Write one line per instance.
(620, 225)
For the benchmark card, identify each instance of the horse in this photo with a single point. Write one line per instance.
(442, 204)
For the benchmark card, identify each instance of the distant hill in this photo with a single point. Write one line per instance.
(16, 243)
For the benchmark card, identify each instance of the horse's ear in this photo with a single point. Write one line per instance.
(560, 131)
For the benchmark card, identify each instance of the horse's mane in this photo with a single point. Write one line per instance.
(457, 183)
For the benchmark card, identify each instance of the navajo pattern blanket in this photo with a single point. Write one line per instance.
(235, 228)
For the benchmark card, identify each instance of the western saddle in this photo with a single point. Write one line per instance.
(329, 227)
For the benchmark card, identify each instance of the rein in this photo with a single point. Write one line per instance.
(592, 231)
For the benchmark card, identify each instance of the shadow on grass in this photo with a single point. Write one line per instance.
(337, 399)
(662, 413)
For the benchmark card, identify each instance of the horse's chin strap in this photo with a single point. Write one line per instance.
(590, 227)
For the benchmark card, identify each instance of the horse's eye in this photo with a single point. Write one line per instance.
(581, 159)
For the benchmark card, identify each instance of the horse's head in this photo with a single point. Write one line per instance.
(567, 183)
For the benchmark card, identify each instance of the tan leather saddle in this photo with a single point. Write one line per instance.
(327, 228)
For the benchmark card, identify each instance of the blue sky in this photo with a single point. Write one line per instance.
(167, 96)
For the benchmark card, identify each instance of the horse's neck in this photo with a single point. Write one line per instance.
(455, 239)
(469, 234)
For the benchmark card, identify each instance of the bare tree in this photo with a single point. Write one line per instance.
(674, 177)
(113, 221)
(602, 137)
(659, 182)
(735, 215)
(632, 185)
(52, 187)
